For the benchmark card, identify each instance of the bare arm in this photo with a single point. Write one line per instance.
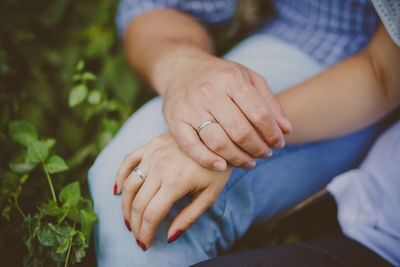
(347, 97)
(173, 52)
(159, 42)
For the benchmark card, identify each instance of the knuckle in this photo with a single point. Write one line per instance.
(206, 89)
(187, 144)
(149, 216)
(127, 158)
(231, 73)
(273, 139)
(163, 161)
(241, 135)
(136, 208)
(173, 183)
(127, 186)
(216, 145)
(261, 116)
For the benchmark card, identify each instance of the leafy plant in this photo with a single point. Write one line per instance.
(61, 227)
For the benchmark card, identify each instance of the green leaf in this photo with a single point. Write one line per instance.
(22, 167)
(52, 209)
(78, 249)
(37, 152)
(80, 65)
(24, 178)
(23, 132)
(56, 164)
(50, 142)
(70, 194)
(87, 220)
(76, 77)
(77, 94)
(88, 76)
(63, 247)
(47, 237)
(94, 97)
(6, 212)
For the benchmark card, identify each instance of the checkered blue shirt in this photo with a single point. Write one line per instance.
(327, 30)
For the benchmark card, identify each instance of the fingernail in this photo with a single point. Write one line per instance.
(138, 243)
(288, 124)
(219, 166)
(251, 163)
(115, 189)
(128, 225)
(174, 237)
(267, 154)
(280, 144)
(143, 246)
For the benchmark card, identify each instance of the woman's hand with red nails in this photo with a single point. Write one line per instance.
(170, 175)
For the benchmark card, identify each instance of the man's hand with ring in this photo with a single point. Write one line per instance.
(250, 122)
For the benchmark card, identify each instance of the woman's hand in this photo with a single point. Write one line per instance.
(170, 174)
(250, 121)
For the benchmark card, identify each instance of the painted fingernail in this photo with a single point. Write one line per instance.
(219, 166)
(138, 243)
(267, 154)
(174, 237)
(251, 163)
(143, 246)
(128, 225)
(115, 189)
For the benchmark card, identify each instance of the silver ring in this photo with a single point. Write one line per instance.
(204, 124)
(139, 173)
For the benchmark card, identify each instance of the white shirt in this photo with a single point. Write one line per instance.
(389, 13)
(368, 198)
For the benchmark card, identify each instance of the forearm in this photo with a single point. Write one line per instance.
(161, 42)
(347, 97)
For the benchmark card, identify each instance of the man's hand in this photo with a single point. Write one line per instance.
(250, 121)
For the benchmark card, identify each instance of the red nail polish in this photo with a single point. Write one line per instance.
(115, 189)
(128, 225)
(174, 237)
(143, 246)
(138, 243)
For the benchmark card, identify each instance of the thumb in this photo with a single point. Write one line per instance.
(189, 215)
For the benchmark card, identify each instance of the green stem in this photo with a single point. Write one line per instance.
(69, 247)
(18, 207)
(50, 182)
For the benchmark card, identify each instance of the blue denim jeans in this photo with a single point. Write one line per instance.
(250, 196)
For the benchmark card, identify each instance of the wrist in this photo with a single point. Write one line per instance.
(177, 62)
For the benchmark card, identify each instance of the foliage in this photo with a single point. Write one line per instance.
(51, 232)
(44, 83)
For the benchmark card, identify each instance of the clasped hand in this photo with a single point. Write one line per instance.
(250, 121)
(170, 174)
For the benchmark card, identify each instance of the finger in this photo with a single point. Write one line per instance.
(216, 139)
(190, 143)
(140, 202)
(240, 131)
(130, 188)
(129, 163)
(156, 211)
(257, 110)
(276, 108)
(189, 215)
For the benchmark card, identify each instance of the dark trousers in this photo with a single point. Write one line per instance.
(333, 250)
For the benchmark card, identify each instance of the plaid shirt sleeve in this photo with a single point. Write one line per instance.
(209, 11)
(389, 12)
